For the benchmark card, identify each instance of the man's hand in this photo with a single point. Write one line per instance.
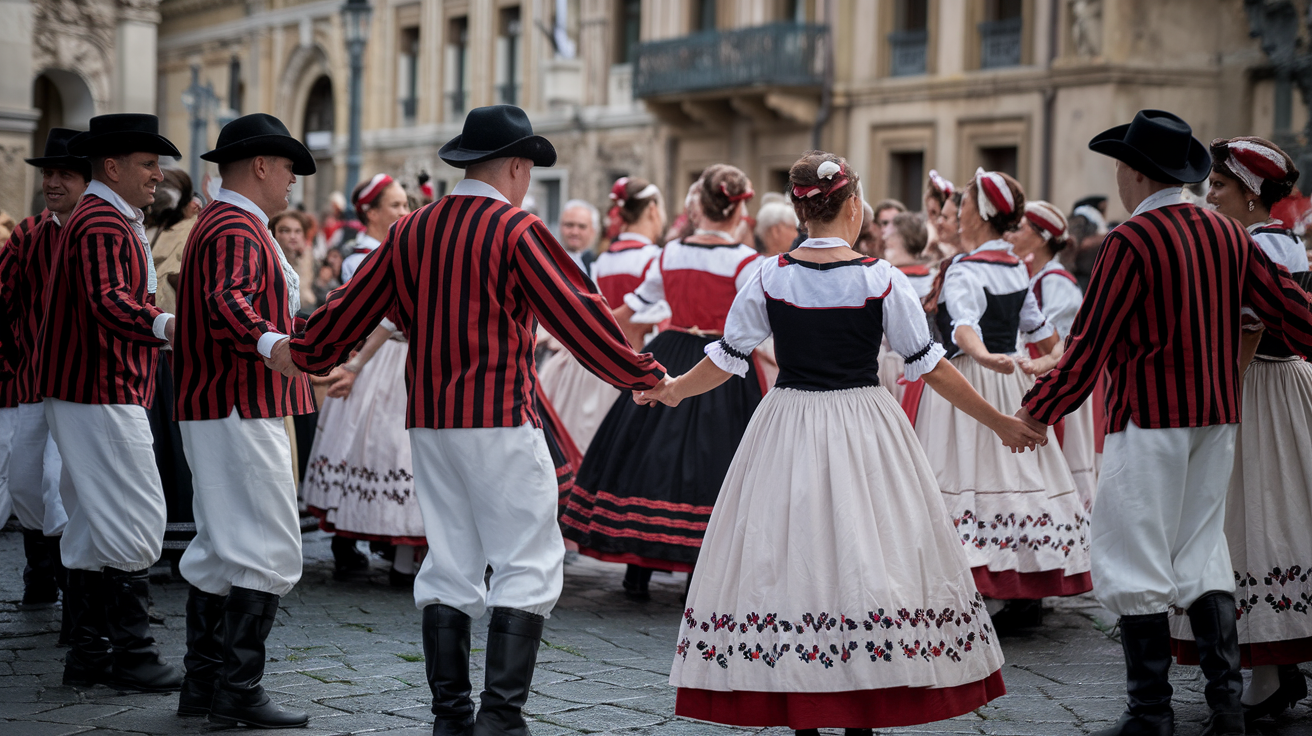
(1019, 435)
(1023, 414)
(663, 393)
(280, 358)
(168, 329)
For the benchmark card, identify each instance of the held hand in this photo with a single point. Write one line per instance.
(998, 362)
(1038, 427)
(663, 393)
(340, 382)
(1019, 436)
(280, 359)
(1038, 366)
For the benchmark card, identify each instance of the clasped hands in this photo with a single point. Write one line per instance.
(662, 393)
(1023, 432)
(280, 359)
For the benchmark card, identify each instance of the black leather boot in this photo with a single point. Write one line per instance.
(636, 580)
(137, 662)
(446, 661)
(1212, 617)
(513, 637)
(239, 699)
(40, 586)
(61, 580)
(1147, 644)
(204, 655)
(348, 562)
(88, 661)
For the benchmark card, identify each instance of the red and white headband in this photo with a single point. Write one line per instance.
(1254, 163)
(826, 172)
(373, 189)
(1047, 218)
(941, 184)
(994, 194)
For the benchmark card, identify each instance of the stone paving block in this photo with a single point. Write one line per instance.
(1024, 708)
(545, 705)
(631, 678)
(378, 703)
(539, 728)
(603, 718)
(360, 722)
(583, 691)
(154, 722)
(659, 702)
(80, 713)
(683, 727)
(1081, 674)
(32, 728)
(18, 710)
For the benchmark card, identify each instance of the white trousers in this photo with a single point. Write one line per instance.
(248, 531)
(1159, 523)
(34, 470)
(109, 484)
(8, 423)
(488, 497)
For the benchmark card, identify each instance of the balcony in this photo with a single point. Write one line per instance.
(777, 55)
(999, 43)
(908, 50)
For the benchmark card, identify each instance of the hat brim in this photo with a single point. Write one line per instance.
(266, 145)
(71, 163)
(1111, 142)
(91, 145)
(534, 147)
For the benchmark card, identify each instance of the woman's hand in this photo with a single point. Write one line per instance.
(1038, 366)
(997, 362)
(663, 393)
(1019, 435)
(341, 380)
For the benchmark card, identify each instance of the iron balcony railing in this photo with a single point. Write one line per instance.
(909, 50)
(780, 54)
(999, 43)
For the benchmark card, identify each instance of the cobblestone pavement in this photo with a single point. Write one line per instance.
(350, 653)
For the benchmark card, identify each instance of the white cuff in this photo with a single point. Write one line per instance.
(1045, 331)
(161, 322)
(652, 314)
(923, 362)
(726, 358)
(388, 325)
(971, 324)
(635, 302)
(267, 341)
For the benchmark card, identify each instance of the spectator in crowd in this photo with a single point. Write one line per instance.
(885, 211)
(292, 229)
(776, 227)
(579, 224)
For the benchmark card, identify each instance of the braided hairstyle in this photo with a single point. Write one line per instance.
(817, 199)
(724, 187)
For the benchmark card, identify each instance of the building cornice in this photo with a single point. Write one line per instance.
(244, 26)
(174, 8)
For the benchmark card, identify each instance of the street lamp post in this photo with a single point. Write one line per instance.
(201, 102)
(355, 21)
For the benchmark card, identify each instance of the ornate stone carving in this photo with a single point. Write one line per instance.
(1086, 27)
(143, 11)
(77, 36)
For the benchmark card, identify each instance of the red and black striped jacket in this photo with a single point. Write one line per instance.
(97, 344)
(231, 290)
(464, 278)
(1162, 313)
(24, 269)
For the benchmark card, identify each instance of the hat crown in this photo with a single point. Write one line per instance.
(57, 142)
(123, 122)
(1163, 133)
(250, 126)
(494, 127)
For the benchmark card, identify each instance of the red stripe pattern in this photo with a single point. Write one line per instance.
(97, 344)
(1162, 314)
(464, 278)
(232, 290)
(24, 264)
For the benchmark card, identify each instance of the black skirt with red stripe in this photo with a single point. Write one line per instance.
(651, 475)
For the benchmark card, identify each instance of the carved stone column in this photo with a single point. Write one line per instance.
(134, 44)
(17, 118)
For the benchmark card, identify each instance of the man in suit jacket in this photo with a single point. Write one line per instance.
(237, 295)
(98, 349)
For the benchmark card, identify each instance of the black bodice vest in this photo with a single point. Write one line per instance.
(1000, 323)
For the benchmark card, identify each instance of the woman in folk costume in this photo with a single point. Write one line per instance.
(1268, 507)
(1024, 527)
(651, 475)
(580, 398)
(831, 590)
(359, 479)
(1038, 241)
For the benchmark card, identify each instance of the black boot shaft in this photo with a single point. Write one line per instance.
(513, 637)
(1212, 618)
(137, 661)
(1146, 641)
(446, 634)
(248, 617)
(88, 661)
(40, 576)
(204, 656)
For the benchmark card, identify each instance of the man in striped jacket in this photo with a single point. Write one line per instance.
(33, 459)
(466, 278)
(237, 295)
(1162, 315)
(97, 351)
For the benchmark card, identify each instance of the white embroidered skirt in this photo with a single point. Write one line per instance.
(1077, 446)
(1268, 515)
(1024, 527)
(581, 399)
(831, 590)
(359, 480)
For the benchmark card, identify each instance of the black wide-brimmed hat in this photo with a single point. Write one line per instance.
(56, 154)
(498, 131)
(260, 134)
(1158, 145)
(124, 132)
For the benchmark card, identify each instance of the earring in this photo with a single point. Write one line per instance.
(1251, 206)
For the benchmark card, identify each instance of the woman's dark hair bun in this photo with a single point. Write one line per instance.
(824, 205)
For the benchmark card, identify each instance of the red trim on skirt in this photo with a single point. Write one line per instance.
(1289, 651)
(1009, 585)
(326, 526)
(911, 398)
(628, 558)
(885, 708)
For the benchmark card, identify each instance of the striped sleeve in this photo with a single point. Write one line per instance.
(10, 319)
(1114, 293)
(1278, 301)
(106, 266)
(350, 313)
(232, 272)
(575, 314)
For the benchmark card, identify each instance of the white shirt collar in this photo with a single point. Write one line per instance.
(998, 244)
(634, 236)
(1265, 223)
(102, 190)
(237, 199)
(1159, 199)
(476, 188)
(367, 241)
